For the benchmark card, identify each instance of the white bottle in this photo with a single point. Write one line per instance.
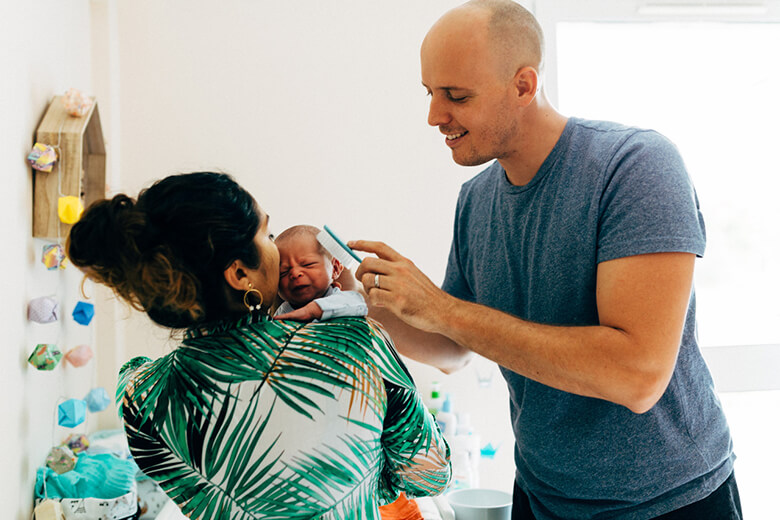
(465, 454)
(462, 473)
(448, 422)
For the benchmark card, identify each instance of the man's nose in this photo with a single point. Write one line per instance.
(437, 113)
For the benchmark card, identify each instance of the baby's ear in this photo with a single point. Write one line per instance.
(337, 269)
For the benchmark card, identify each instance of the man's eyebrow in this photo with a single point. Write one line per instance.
(448, 88)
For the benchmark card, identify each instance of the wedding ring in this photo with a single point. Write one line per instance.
(376, 280)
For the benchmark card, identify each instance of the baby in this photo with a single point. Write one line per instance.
(307, 280)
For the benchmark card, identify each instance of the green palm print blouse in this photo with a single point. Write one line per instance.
(269, 419)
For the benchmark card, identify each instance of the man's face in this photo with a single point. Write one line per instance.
(470, 104)
(304, 272)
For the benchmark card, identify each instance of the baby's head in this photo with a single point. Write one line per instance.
(306, 269)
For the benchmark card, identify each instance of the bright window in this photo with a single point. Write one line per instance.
(712, 88)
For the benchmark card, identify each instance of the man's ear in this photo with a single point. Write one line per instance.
(235, 276)
(337, 269)
(526, 83)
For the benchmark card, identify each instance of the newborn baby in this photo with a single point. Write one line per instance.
(307, 280)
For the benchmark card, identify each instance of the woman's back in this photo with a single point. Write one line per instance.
(280, 419)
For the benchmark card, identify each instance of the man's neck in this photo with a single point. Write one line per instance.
(541, 132)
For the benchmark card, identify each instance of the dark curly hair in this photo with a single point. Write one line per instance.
(165, 253)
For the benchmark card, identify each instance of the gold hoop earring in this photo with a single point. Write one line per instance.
(249, 306)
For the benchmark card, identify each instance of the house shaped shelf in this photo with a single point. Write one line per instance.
(80, 169)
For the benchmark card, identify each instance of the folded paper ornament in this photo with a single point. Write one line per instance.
(79, 356)
(69, 209)
(61, 459)
(488, 451)
(97, 399)
(76, 102)
(45, 356)
(43, 310)
(76, 442)
(53, 256)
(71, 413)
(83, 313)
(48, 510)
(42, 157)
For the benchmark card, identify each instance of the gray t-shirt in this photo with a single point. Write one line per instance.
(605, 191)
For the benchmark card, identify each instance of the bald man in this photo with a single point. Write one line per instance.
(571, 266)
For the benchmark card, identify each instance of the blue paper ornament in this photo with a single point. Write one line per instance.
(97, 399)
(72, 413)
(83, 313)
(488, 451)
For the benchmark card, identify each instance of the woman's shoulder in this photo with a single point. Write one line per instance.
(370, 337)
(354, 329)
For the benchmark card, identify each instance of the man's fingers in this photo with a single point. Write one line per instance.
(371, 265)
(380, 249)
(374, 280)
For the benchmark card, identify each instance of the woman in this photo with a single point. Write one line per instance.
(248, 417)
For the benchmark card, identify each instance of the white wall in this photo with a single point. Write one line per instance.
(44, 50)
(318, 110)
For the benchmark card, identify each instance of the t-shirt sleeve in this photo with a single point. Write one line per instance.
(649, 204)
(455, 282)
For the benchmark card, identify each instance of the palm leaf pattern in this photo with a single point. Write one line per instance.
(278, 420)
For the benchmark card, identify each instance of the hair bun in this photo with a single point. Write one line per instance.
(104, 243)
(115, 244)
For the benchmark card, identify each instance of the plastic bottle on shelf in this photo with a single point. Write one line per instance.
(465, 454)
(448, 421)
(436, 400)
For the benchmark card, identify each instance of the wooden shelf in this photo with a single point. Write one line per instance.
(81, 166)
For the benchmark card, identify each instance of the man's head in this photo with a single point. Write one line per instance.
(306, 269)
(481, 65)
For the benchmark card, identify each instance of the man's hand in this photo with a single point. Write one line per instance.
(395, 283)
(404, 303)
(310, 311)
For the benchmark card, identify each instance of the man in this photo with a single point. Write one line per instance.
(571, 267)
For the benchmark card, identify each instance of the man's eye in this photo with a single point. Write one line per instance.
(282, 274)
(458, 99)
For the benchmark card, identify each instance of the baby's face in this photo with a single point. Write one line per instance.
(304, 273)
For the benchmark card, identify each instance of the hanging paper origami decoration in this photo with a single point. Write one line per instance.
(43, 310)
(97, 399)
(42, 157)
(76, 102)
(61, 459)
(76, 442)
(69, 209)
(72, 413)
(488, 451)
(45, 356)
(83, 313)
(79, 356)
(53, 257)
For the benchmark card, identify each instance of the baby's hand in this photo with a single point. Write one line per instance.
(310, 311)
